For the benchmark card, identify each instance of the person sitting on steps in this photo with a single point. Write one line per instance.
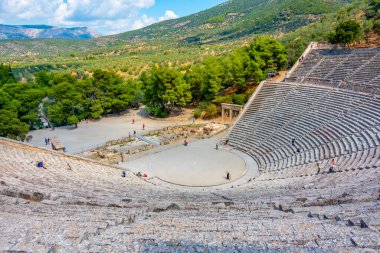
(318, 168)
(41, 164)
(333, 166)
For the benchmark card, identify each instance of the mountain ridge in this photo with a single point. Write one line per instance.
(228, 21)
(45, 32)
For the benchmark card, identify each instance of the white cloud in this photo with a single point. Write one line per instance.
(105, 16)
(168, 15)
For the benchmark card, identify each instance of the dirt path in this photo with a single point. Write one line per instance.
(96, 133)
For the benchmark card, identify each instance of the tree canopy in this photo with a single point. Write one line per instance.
(346, 33)
(163, 89)
(67, 98)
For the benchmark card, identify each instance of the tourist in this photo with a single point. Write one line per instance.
(293, 141)
(185, 142)
(129, 135)
(333, 166)
(133, 121)
(134, 132)
(41, 164)
(216, 146)
(318, 168)
(226, 141)
(68, 166)
(46, 141)
(228, 177)
(143, 126)
(123, 174)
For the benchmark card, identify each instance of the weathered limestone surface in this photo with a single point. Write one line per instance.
(294, 205)
(91, 208)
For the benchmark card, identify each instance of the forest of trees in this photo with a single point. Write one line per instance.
(66, 99)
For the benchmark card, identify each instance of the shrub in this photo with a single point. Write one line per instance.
(211, 111)
(197, 113)
(239, 99)
(376, 26)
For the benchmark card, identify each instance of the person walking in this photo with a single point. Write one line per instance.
(143, 126)
(216, 146)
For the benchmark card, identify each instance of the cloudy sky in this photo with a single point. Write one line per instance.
(104, 16)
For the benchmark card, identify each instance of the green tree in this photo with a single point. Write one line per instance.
(273, 54)
(234, 65)
(56, 114)
(165, 88)
(42, 78)
(212, 79)
(346, 32)
(96, 109)
(73, 120)
(376, 26)
(6, 75)
(195, 78)
(11, 127)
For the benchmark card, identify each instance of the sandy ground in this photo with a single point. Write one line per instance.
(198, 164)
(96, 133)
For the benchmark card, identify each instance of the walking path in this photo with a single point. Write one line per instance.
(96, 133)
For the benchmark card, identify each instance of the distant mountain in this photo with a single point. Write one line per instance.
(45, 32)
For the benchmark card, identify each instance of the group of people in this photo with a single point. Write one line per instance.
(139, 174)
(332, 168)
(134, 131)
(143, 125)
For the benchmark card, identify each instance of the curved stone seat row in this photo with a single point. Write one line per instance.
(91, 208)
(354, 65)
(324, 123)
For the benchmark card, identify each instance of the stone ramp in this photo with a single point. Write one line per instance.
(142, 138)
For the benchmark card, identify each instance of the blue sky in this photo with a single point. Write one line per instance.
(181, 7)
(104, 16)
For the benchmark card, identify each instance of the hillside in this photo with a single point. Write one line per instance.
(45, 32)
(239, 18)
(360, 11)
(228, 21)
